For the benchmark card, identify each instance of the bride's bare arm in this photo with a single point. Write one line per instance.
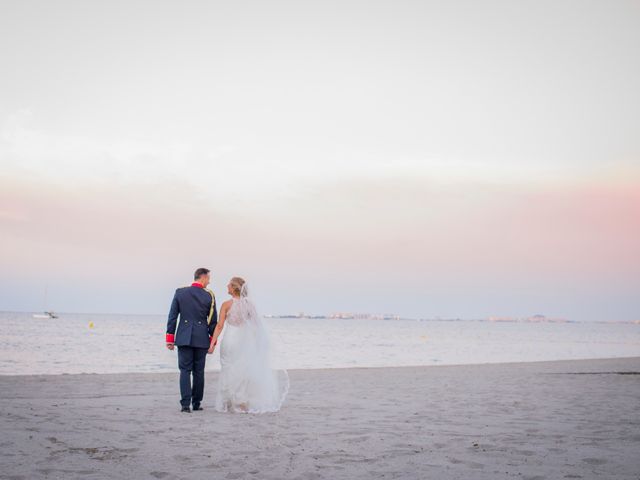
(218, 330)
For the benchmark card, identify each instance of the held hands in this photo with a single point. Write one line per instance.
(170, 346)
(212, 347)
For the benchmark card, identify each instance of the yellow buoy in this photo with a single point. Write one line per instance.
(90, 324)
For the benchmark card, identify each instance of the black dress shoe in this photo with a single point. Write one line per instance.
(186, 410)
(197, 407)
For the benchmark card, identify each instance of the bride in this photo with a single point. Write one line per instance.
(247, 382)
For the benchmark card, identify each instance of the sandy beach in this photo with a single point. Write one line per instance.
(545, 420)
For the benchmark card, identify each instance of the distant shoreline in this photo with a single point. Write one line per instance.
(528, 320)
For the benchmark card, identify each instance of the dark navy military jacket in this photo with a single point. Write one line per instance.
(196, 307)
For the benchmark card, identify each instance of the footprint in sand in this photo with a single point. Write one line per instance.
(235, 475)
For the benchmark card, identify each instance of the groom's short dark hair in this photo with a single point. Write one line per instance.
(200, 272)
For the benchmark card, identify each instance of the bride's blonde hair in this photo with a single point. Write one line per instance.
(236, 285)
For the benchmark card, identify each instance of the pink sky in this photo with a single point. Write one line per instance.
(368, 246)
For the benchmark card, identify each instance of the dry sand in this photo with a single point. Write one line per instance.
(547, 420)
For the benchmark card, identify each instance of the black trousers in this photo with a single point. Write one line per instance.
(191, 360)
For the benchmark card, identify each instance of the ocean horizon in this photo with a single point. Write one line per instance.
(85, 343)
(537, 318)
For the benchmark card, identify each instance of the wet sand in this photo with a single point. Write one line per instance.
(547, 420)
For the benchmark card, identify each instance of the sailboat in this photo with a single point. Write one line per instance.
(45, 314)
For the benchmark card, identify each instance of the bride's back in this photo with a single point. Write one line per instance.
(234, 315)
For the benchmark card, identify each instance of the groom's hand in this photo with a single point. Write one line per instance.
(170, 346)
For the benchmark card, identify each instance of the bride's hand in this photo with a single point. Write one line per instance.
(211, 348)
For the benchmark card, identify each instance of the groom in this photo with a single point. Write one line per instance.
(196, 306)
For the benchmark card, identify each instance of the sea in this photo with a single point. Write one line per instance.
(99, 343)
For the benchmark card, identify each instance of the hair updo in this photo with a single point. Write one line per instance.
(236, 285)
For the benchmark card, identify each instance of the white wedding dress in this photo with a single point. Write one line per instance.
(248, 383)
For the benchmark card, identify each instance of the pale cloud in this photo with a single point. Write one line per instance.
(245, 174)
